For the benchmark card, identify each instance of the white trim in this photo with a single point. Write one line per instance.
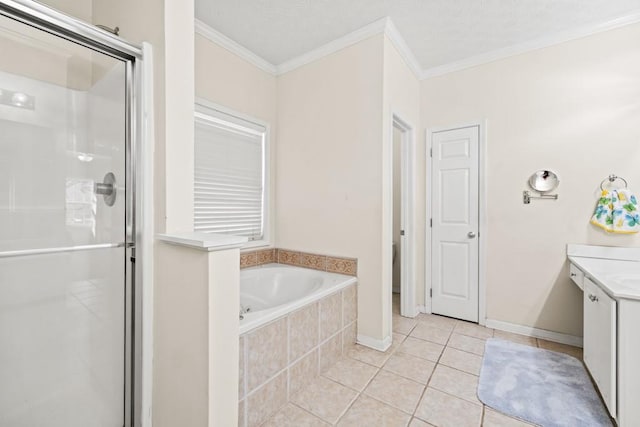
(146, 152)
(380, 345)
(482, 214)
(376, 27)
(535, 332)
(423, 309)
(217, 37)
(529, 46)
(407, 212)
(403, 48)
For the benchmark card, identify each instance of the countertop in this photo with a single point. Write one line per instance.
(620, 278)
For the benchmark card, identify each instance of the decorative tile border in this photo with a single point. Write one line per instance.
(348, 266)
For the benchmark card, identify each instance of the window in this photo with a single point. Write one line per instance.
(231, 181)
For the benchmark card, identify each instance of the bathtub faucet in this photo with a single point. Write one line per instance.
(243, 311)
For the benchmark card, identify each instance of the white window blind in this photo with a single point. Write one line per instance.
(229, 192)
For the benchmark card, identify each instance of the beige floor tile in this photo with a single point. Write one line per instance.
(473, 330)
(441, 322)
(403, 325)
(408, 366)
(368, 355)
(496, 419)
(424, 331)
(466, 343)
(444, 410)
(241, 414)
(367, 411)
(517, 338)
(420, 348)
(561, 348)
(293, 416)
(461, 360)
(456, 383)
(417, 422)
(352, 373)
(395, 390)
(396, 341)
(325, 398)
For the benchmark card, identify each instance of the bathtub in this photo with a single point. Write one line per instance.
(274, 290)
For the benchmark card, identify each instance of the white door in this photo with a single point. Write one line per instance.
(455, 223)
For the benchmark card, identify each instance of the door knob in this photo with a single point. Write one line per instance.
(471, 234)
(107, 189)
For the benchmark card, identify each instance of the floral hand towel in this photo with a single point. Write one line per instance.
(617, 212)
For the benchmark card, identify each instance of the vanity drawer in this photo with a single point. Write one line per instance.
(576, 275)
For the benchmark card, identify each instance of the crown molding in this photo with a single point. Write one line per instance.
(376, 27)
(386, 26)
(536, 44)
(236, 48)
(403, 48)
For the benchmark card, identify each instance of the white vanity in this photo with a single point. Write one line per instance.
(610, 280)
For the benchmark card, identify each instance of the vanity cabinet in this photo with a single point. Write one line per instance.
(600, 346)
(610, 280)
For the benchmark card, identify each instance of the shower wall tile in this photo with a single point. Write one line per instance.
(242, 369)
(348, 266)
(267, 352)
(241, 414)
(303, 331)
(267, 400)
(349, 304)
(330, 352)
(317, 262)
(248, 259)
(330, 315)
(288, 257)
(266, 256)
(342, 265)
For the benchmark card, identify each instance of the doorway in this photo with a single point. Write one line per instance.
(68, 300)
(455, 160)
(403, 286)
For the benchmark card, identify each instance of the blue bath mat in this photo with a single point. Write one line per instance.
(539, 386)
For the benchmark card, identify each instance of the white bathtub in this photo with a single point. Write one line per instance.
(273, 290)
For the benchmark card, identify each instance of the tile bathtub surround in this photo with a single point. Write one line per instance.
(332, 264)
(294, 350)
(416, 383)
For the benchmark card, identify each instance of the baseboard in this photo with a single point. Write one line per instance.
(380, 345)
(423, 309)
(535, 332)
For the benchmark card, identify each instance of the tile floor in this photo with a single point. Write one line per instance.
(428, 377)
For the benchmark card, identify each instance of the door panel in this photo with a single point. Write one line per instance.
(455, 223)
(62, 246)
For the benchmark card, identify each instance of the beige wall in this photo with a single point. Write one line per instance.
(573, 108)
(402, 97)
(329, 173)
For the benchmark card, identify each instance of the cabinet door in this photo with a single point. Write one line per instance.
(600, 341)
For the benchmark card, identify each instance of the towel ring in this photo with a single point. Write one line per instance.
(612, 178)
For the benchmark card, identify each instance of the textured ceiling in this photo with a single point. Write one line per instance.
(437, 31)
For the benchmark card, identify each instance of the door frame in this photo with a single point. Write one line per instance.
(139, 207)
(482, 214)
(407, 206)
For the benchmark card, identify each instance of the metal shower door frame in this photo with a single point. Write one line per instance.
(58, 24)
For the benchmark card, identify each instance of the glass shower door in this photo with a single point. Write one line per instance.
(64, 292)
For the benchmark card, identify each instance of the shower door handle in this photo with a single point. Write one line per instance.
(107, 188)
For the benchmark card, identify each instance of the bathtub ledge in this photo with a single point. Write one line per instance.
(203, 241)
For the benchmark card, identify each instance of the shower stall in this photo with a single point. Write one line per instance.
(69, 327)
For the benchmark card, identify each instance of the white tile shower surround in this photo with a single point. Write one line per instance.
(428, 377)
